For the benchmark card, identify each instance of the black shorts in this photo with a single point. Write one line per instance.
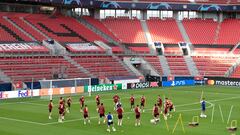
(69, 105)
(137, 116)
(101, 115)
(98, 103)
(50, 110)
(61, 112)
(120, 116)
(156, 114)
(142, 104)
(85, 116)
(110, 123)
(170, 109)
(132, 103)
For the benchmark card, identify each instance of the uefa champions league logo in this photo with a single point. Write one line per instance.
(110, 5)
(155, 6)
(209, 7)
(68, 2)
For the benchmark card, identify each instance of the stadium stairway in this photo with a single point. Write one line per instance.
(105, 46)
(4, 77)
(127, 61)
(82, 69)
(149, 67)
(233, 69)
(124, 65)
(15, 25)
(164, 65)
(192, 68)
(33, 27)
(184, 33)
(148, 37)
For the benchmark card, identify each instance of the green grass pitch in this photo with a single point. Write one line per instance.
(30, 116)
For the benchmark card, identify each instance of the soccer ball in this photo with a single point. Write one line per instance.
(203, 116)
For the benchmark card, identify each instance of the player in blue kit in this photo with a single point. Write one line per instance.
(203, 108)
(110, 122)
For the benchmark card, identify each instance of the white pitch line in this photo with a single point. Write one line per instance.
(24, 121)
(213, 112)
(220, 108)
(230, 113)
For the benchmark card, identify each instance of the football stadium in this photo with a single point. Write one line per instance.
(121, 67)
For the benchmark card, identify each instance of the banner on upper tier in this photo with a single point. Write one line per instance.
(102, 87)
(178, 83)
(223, 81)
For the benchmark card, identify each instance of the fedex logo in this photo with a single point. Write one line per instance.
(23, 93)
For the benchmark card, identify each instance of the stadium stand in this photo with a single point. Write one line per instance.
(177, 66)
(102, 66)
(126, 30)
(25, 68)
(199, 34)
(63, 28)
(10, 33)
(165, 31)
(212, 49)
(189, 1)
(229, 32)
(172, 49)
(214, 65)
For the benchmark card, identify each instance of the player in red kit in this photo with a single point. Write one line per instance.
(60, 100)
(138, 115)
(166, 107)
(143, 102)
(69, 102)
(159, 103)
(86, 115)
(171, 108)
(115, 100)
(81, 100)
(61, 111)
(155, 113)
(97, 98)
(101, 111)
(132, 102)
(120, 115)
(50, 106)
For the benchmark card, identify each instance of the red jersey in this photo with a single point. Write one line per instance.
(50, 106)
(101, 110)
(115, 98)
(85, 111)
(61, 107)
(97, 99)
(143, 100)
(82, 100)
(69, 100)
(159, 101)
(155, 110)
(132, 99)
(137, 112)
(119, 111)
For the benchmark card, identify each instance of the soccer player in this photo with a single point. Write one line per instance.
(203, 106)
(61, 111)
(155, 113)
(171, 107)
(110, 122)
(69, 102)
(97, 98)
(166, 106)
(137, 114)
(81, 100)
(50, 106)
(132, 101)
(60, 100)
(101, 111)
(159, 103)
(120, 115)
(143, 101)
(115, 100)
(85, 115)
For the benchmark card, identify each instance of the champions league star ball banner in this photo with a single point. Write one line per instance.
(178, 83)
